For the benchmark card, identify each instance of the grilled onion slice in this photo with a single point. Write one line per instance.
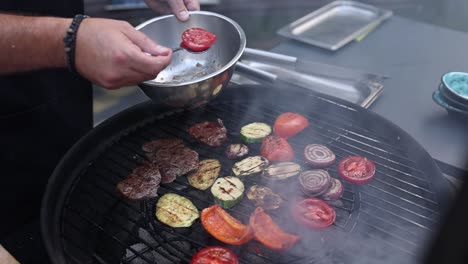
(319, 155)
(314, 182)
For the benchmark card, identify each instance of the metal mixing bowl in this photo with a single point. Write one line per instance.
(193, 79)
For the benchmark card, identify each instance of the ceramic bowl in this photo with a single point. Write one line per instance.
(455, 86)
(459, 113)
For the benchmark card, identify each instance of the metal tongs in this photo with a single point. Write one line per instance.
(320, 70)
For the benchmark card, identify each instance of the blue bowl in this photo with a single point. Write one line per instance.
(449, 98)
(438, 99)
(456, 84)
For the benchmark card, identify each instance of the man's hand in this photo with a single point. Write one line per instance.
(113, 54)
(178, 7)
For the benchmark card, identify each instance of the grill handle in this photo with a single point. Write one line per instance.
(255, 74)
(269, 57)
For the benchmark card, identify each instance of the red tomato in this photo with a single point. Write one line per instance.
(224, 227)
(275, 148)
(315, 213)
(214, 255)
(198, 39)
(289, 124)
(356, 169)
(268, 233)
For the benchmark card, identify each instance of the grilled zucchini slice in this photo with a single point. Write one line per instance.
(255, 132)
(282, 170)
(205, 176)
(228, 191)
(250, 165)
(176, 211)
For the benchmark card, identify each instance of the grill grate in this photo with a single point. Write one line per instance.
(388, 220)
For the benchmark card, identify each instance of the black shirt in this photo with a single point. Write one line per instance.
(42, 114)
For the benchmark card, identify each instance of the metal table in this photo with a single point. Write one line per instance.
(414, 55)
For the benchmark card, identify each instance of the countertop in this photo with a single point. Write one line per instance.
(414, 55)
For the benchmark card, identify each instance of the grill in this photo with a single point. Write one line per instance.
(389, 220)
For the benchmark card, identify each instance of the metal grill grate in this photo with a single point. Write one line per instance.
(388, 220)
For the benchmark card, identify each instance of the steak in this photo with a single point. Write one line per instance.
(172, 157)
(211, 133)
(142, 183)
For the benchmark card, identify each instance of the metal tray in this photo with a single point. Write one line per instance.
(336, 24)
(362, 92)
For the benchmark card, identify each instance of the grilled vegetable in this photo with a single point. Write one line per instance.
(264, 197)
(227, 191)
(289, 124)
(275, 148)
(255, 132)
(334, 192)
(314, 182)
(214, 255)
(268, 233)
(282, 170)
(205, 176)
(356, 169)
(319, 155)
(250, 165)
(224, 227)
(234, 151)
(315, 213)
(176, 211)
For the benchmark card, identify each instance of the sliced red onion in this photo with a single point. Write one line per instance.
(314, 182)
(334, 192)
(319, 155)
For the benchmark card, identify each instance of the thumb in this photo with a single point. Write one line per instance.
(179, 9)
(146, 44)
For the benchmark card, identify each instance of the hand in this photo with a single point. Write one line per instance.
(111, 53)
(178, 7)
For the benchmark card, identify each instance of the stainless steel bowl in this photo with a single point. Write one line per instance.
(193, 79)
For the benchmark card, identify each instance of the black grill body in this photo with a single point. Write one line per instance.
(390, 220)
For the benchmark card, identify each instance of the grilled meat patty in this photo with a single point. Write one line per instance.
(213, 134)
(142, 183)
(173, 158)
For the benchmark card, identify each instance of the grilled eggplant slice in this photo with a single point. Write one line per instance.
(264, 197)
(176, 211)
(228, 191)
(250, 165)
(205, 176)
(282, 170)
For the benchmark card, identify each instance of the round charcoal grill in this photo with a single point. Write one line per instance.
(390, 220)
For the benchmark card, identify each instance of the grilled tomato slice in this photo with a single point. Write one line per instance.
(356, 169)
(315, 213)
(198, 39)
(289, 124)
(214, 255)
(268, 233)
(224, 227)
(275, 148)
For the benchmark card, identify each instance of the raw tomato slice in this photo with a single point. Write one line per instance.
(198, 39)
(275, 148)
(268, 233)
(224, 227)
(356, 169)
(215, 255)
(289, 124)
(315, 213)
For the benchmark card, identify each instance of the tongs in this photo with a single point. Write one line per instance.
(330, 72)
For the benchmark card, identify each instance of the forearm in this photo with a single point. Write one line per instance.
(6, 258)
(29, 43)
